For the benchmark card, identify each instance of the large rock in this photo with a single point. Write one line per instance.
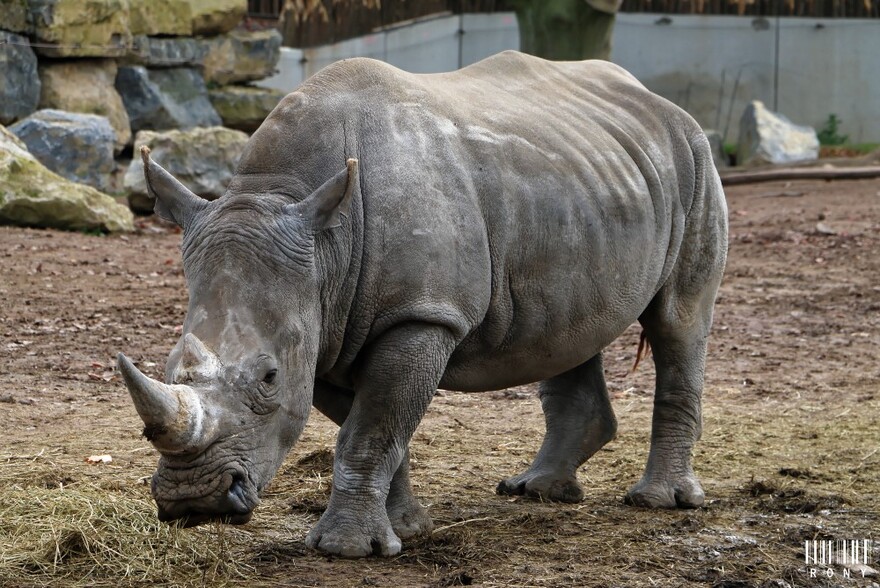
(19, 82)
(202, 159)
(160, 17)
(767, 137)
(73, 28)
(167, 51)
(215, 17)
(159, 99)
(244, 107)
(31, 195)
(76, 146)
(242, 56)
(86, 86)
(15, 16)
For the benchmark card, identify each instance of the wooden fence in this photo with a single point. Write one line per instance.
(307, 23)
(807, 8)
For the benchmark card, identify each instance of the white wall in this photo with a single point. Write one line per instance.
(712, 66)
(427, 46)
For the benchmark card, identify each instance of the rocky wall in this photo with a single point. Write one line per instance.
(78, 79)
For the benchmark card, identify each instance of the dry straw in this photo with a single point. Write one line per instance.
(84, 534)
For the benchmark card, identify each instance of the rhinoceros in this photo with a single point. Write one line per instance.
(389, 233)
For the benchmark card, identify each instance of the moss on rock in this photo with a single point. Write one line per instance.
(31, 195)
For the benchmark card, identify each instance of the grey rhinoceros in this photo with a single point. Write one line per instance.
(493, 226)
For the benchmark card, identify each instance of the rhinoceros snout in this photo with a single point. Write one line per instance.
(232, 507)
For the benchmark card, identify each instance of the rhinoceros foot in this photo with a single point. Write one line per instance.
(338, 533)
(543, 486)
(672, 491)
(408, 517)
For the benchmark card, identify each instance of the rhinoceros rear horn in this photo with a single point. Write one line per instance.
(173, 415)
(323, 206)
(174, 201)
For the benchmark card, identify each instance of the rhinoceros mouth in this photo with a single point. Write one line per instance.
(233, 507)
(194, 518)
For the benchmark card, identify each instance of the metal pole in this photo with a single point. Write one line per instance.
(776, 59)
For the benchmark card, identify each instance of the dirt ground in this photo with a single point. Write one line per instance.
(790, 450)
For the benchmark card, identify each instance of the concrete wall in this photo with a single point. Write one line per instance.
(427, 46)
(712, 66)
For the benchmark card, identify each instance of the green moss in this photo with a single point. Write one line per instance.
(31, 195)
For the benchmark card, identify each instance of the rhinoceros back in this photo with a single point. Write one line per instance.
(533, 207)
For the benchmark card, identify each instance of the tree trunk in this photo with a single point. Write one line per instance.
(565, 30)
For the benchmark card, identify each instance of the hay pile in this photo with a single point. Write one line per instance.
(57, 531)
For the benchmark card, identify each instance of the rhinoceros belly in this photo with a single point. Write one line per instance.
(569, 274)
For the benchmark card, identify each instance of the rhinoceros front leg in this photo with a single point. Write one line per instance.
(399, 375)
(579, 421)
(408, 517)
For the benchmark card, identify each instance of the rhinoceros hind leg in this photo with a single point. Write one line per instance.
(579, 421)
(677, 323)
(669, 480)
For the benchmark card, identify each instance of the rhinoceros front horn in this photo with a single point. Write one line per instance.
(173, 415)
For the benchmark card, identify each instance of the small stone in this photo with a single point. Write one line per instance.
(824, 229)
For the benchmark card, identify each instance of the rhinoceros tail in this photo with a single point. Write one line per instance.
(643, 351)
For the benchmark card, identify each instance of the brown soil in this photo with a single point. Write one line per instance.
(790, 450)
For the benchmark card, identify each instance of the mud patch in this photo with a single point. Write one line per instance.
(789, 451)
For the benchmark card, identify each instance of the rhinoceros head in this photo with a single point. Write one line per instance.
(238, 384)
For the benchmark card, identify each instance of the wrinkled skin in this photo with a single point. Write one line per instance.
(493, 226)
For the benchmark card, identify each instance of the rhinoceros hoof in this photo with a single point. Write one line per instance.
(350, 538)
(409, 519)
(679, 492)
(542, 486)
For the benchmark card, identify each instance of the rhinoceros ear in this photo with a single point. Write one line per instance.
(322, 208)
(174, 201)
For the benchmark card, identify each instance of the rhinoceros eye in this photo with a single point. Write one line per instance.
(269, 378)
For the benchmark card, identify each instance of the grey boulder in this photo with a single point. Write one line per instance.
(76, 146)
(244, 107)
(16, 16)
(767, 137)
(85, 85)
(242, 56)
(203, 159)
(167, 51)
(159, 99)
(33, 196)
(19, 82)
